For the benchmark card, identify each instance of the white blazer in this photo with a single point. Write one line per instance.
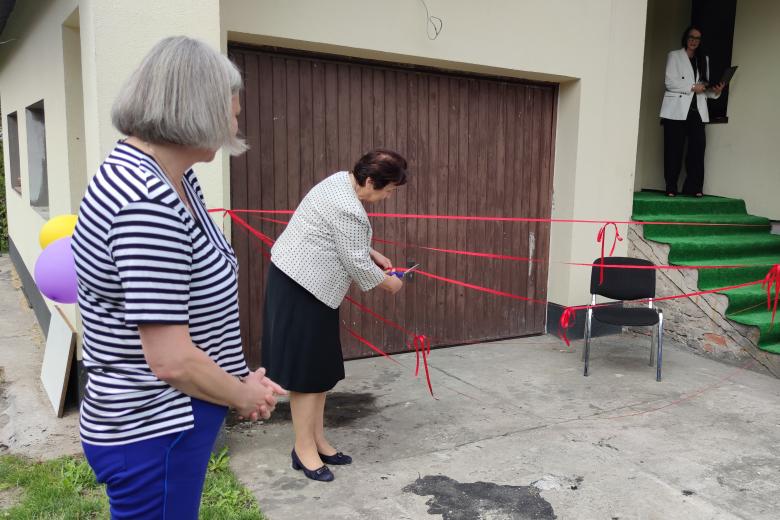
(680, 78)
(327, 243)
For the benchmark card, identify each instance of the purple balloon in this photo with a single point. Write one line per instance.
(55, 272)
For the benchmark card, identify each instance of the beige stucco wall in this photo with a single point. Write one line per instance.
(32, 70)
(742, 156)
(115, 36)
(666, 20)
(594, 48)
(112, 38)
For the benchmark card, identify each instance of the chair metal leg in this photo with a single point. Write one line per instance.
(589, 315)
(586, 350)
(653, 339)
(660, 345)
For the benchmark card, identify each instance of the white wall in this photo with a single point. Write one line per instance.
(743, 156)
(593, 48)
(666, 20)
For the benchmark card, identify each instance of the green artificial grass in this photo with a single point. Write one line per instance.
(746, 241)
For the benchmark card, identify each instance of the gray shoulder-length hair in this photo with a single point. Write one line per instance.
(181, 94)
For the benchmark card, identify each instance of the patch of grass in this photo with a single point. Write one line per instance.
(224, 496)
(66, 489)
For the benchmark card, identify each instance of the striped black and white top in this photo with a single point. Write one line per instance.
(141, 258)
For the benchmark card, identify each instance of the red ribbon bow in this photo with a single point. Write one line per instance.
(601, 238)
(422, 345)
(771, 281)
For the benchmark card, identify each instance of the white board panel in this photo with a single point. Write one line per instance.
(55, 371)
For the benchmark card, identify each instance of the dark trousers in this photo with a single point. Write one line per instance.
(675, 134)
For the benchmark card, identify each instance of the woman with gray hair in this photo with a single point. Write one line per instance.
(158, 289)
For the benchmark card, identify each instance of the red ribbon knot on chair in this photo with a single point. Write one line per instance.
(602, 239)
(771, 281)
(567, 320)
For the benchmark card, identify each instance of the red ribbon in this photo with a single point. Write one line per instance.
(370, 345)
(257, 246)
(422, 346)
(567, 320)
(601, 238)
(460, 252)
(243, 223)
(772, 281)
(479, 287)
(506, 219)
(519, 258)
(420, 342)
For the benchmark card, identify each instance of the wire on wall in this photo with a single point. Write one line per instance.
(433, 24)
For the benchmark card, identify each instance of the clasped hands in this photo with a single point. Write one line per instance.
(260, 396)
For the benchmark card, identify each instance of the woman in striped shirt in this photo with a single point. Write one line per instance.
(158, 289)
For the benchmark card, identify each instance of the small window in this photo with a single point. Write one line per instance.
(13, 152)
(36, 158)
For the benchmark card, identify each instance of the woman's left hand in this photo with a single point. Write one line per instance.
(718, 88)
(381, 260)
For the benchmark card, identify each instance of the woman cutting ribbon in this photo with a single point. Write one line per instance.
(325, 247)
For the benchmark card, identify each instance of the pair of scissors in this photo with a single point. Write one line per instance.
(400, 274)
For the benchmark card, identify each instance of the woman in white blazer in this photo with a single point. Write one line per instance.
(684, 112)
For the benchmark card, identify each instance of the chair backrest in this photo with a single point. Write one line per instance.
(623, 284)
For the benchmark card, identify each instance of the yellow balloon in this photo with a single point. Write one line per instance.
(57, 228)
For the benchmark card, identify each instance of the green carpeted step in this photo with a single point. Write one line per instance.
(746, 299)
(774, 348)
(700, 250)
(749, 244)
(653, 203)
(760, 317)
(714, 278)
(745, 224)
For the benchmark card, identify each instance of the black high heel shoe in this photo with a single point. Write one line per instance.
(321, 474)
(339, 459)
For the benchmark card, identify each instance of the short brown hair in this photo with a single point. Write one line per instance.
(382, 166)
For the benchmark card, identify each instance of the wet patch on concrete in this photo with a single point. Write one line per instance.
(341, 409)
(465, 501)
(287, 483)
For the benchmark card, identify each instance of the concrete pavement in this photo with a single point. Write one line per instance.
(517, 432)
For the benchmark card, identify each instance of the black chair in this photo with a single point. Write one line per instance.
(625, 284)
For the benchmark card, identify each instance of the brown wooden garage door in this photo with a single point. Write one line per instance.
(476, 146)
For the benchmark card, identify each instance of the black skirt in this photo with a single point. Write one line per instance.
(301, 341)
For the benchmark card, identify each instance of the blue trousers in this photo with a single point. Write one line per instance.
(160, 478)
